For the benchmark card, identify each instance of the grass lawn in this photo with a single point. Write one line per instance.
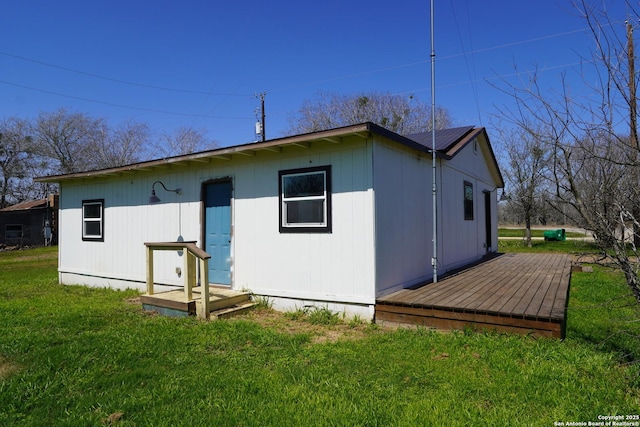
(541, 246)
(73, 356)
(536, 232)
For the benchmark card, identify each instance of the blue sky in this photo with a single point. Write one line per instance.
(200, 63)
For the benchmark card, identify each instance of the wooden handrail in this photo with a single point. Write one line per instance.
(171, 246)
(191, 253)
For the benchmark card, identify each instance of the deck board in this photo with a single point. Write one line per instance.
(524, 293)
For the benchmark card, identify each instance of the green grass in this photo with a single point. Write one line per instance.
(536, 232)
(542, 246)
(73, 356)
(315, 315)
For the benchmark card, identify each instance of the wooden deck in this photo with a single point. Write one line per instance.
(522, 293)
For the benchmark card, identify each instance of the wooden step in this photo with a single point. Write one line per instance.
(228, 312)
(221, 298)
(172, 303)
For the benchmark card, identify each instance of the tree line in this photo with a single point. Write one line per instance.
(580, 155)
(62, 142)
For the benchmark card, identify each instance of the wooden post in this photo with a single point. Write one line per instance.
(188, 291)
(149, 271)
(190, 252)
(192, 270)
(204, 282)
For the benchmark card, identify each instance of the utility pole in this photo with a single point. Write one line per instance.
(633, 100)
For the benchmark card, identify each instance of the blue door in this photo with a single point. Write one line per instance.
(217, 207)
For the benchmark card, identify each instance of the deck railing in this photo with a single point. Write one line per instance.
(191, 253)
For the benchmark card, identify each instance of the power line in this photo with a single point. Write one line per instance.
(176, 113)
(422, 62)
(111, 79)
(148, 86)
(536, 39)
(486, 79)
(343, 77)
(474, 87)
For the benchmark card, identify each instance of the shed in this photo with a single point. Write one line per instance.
(30, 223)
(335, 218)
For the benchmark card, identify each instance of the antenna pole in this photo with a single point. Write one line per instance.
(262, 95)
(434, 259)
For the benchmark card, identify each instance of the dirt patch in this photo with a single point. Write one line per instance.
(319, 333)
(7, 368)
(134, 301)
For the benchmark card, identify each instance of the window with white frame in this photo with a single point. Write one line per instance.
(93, 220)
(305, 200)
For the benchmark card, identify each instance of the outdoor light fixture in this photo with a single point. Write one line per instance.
(153, 199)
(504, 196)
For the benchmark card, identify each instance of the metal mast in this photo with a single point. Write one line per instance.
(264, 133)
(434, 259)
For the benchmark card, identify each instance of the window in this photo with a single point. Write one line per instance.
(13, 231)
(305, 200)
(93, 220)
(468, 200)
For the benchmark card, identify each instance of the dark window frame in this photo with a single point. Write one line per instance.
(93, 237)
(326, 225)
(8, 234)
(468, 196)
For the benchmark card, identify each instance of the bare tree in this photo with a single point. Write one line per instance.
(67, 138)
(17, 161)
(119, 146)
(184, 140)
(400, 114)
(526, 173)
(594, 142)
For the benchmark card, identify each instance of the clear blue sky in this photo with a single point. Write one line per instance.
(118, 58)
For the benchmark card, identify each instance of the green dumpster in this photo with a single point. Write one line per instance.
(558, 235)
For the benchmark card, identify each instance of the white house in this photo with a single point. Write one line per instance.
(334, 218)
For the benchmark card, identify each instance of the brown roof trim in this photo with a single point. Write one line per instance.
(459, 145)
(205, 156)
(363, 130)
(334, 135)
(454, 149)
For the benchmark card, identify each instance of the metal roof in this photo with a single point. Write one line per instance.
(445, 138)
(24, 206)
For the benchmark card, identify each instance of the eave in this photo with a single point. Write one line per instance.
(304, 141)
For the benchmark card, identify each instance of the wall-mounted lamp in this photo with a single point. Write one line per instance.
(155, 199)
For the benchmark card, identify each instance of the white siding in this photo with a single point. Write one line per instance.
(403, 192)
(128, 222)
(404, 212)
(463, 241)
(381, 237)
(313, 266)
(335, 266)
